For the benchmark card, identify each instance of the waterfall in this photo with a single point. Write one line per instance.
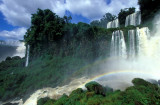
(27, 56)
(148, 46)
(113, 24)
(133, 19)
(132, 45)
(118, 46)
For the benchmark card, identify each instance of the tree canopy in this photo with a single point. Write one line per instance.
(46, 27)
(103, 21)
(124, 13)
(149, 8)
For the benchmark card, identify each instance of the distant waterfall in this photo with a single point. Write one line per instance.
(132, 43)
(27, 56)
(113, 24)
(118, 46)
(133, 19)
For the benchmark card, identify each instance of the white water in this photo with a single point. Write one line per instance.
(118, 45)
(113, 24)
(27, 56)
(133, 19)
(55, 93)
(132, 44)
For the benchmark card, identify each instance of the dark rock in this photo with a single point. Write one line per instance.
(95, 87)
(159, 82)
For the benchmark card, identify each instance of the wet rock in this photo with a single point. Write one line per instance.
(95, 87)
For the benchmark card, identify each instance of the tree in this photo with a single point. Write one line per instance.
(103, 21)
(46, 28)
(124, 13)
(67, 19)
(148, 8)
(95, 23)
(107, 18)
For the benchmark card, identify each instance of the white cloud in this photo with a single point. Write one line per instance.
(18, 12)
(16, 34)
(95, 9)
(91, 9)
(116, 5)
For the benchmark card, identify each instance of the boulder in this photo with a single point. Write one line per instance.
(95, 87)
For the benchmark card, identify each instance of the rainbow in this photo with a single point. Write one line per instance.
(118, 72)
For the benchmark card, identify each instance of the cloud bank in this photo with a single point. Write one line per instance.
(16, 34)
(18, 12)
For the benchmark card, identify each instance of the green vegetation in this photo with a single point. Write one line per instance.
(17, 80)
(124, 13)
(60, 49)
(142, 93)
(103, 21)
(149, 9)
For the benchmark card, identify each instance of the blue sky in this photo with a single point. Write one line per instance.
(15, 15)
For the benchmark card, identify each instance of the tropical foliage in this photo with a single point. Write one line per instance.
(142, 93)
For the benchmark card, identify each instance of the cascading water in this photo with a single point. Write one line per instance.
(143, 50)
(132, 44)
(113, 24)
(27, 56)
(133, 19)
(138, 42)
(118, 46)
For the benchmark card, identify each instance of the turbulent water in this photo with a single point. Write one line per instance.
(113, 24)
(55, 93)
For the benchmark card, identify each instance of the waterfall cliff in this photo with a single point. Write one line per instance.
(133, 19)
(118, 46)
(113, 24)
